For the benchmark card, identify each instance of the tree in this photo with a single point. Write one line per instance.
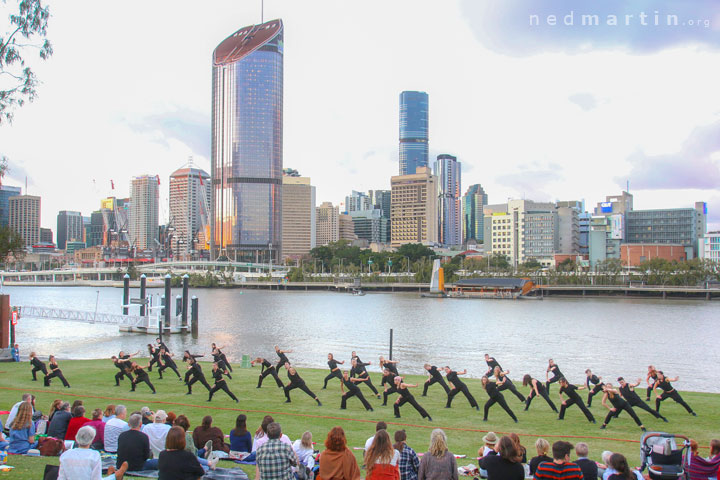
(11, 243)
(567, 265)
(27, 30)
(415, 251)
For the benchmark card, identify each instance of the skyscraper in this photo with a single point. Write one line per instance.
(69, 228)
(190, 191)
(327, 220)
(144, 212)
(6, 192)
(247, 142)
(298, 216)
(414, 208)
(25, 217)
(380, 200)
(473, 217)
(448, 171)
(357, 202)
(413, 131)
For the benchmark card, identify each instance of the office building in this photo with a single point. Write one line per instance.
(144, 212)
(6, 192)
(473, 203)
(605, 238)
(568, 228)
(448, 172)
(371, 225)
(633, 254)
(299, 222)
(46, 235)
(414, 208)
(710, 247)
(346, 228)
(357, 202)
(24, 217)
(676, 226)
(615, 204)
(190, 191)
(247, 143)
(414, 131)
(327, 218)
(69, 228)
(380, 200)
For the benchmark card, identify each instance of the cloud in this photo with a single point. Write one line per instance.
(586, 101)
(187, 126)
(695, 166)
(521, 27)
(532, 184)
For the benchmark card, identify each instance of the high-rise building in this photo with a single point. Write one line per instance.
(677, 226)
(24, 217)
(69, 227)
(327, 218)
(371, 225)
(615, 204)
(46, 235)
(414, 128)
(448, 172)
(247, 142)
(380, 200)
(414, 208)
(298, 217)
(6, 192)
(144, 212)
(95, 230)
(190, 191)
(357, 202)
(473, 203)
(605, 237)
(568, 230)
(346, 228)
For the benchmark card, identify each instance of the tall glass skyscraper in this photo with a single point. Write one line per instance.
(447, 169)
(413, 131)
(473, 218)
(247, 141)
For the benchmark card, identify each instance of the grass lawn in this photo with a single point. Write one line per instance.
(92, 381)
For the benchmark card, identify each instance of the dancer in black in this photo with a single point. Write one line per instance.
(651, 378)
(536, 389)
(160, 344)
(630, 395)
(220, 384)
(283, 359)
(495, 397)
(55, 372)
(196, 375)
(555, 370)
(668, 391)
(124, 367)
(189, 356)
(297, 382)
(223, 357)
(218, 357)
(504, 383)
(573, 398)
(407, 397)
(389, 364)
(618, 405)
(353, 391)
(266, 369)
(435, 377)
(358, 370)
(140, 376)
(389, 381)
(38, 366)
(492, 365)
(457, 387)
(154, 356)
(592, 390)
(334, 371)
(168, 362)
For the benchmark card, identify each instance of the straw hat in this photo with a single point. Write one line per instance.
(490, 438)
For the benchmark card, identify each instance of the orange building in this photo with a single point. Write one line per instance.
(633, 254)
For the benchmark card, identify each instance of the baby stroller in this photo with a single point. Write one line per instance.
(661, 455)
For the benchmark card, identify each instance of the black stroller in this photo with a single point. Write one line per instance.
(662, 456)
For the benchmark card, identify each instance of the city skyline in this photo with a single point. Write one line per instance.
(524, 124)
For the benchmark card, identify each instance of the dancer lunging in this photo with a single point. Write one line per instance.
(195, 374)
(492, 365)
(124, 367)
(55, 372)
(389, 382)
(389, 364)
(297, 382)
(282, 358)
(650, 379)
(358, 370)
(668, 391)
(495, 397)
(592, 390)
(154, 356)
(189, 356)
(407, 397)
(140, 376)
(618, 405)
(266, 368)
(223, 357)
(38, 366)
(220, 384)
(353, 391)
(504, 383)
(536, 389)
(457, 387)
(334, 371)
(435, 377)
(555, 370)
(573, 398)
(220, 359)
(168, 362)
(628, 392)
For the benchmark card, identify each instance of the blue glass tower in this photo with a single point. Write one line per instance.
(413, 131)
(6, 192)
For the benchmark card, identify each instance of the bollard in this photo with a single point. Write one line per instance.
(185, 280)
(143, 287)
(168, 295)
(126, 293)
(194, 313)
(178, 305)
(391, 342)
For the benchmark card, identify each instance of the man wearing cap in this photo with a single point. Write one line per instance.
(157, 433)
(490, 440)
(561, 468)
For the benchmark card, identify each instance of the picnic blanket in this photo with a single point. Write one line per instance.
(109, 460)
(700, 469)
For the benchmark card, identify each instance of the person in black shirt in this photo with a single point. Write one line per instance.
(668, 391)
(389, 382)
(592, 390)
(297, 382)
(573, 398)
(457, 387)
(220, 384)
(504, 383)
(160, 344)
(495, 397)
(154, 356)
(536, 389)
(218, 357)
(435, 377)
(187, 356)
(651, 378)
(555, 370)
(353, 391)
(266, 369)
(168, 362)
(358, 370)
(334, 371)
(37, 365)
(124, 366)
(628, 392)
(283, 359)
(492, 365)
(618, 405)
(140, 376)
(196, 375)
(407, 397)
(223, 357)
(389, 364)
(55, 372)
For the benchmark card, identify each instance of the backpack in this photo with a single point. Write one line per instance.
(51, 446)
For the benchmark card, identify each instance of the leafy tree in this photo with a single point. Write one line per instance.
(27, 30)
(296, 275)
(415, 251)
(11, 243)
(567, 265)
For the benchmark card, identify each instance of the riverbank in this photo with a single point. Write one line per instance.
(92, 381)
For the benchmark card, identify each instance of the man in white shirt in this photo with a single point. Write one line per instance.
(157, 433)
(13, 411)
(84, 463)
(114, 427)
(379, 426)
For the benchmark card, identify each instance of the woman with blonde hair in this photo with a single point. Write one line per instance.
(54, 408)
(303, 448)
(438, 463)
(22, 431)
(542, 447)
(381, 459)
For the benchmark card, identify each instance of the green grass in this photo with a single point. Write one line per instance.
(92, 381)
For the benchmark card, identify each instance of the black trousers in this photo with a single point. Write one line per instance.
(369, 383)
(554, 379)
(467, 394)
(331, 375)
(221, 386)
(649, 390)
(198, 378)
(511, 386)
(644, 406)
(411, 400)
(58, 374)
(301, 386)
(36, 369)
(595, 390)
(187, 376)
(626, 408)
(357, 393)
(388, 392)
(269, 371)
(171, 366)
(153, 361)
(432, 380)
(544, 395)
(571, 401)
(227, 363)
(119, 376)
(500, 400)
(147, 382)
(675, 396)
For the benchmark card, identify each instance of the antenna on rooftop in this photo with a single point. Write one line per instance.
(262, 11)
(627, 186)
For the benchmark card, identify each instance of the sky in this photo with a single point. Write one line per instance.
(534, 104)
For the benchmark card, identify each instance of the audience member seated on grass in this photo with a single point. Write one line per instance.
(522, 452)
(507, 465)
(490, 441)
(59, 425)
(714, 449)
(114, 427)
(561, 466)
(26, 398)
(207, 437)
(267, 420)
(134, 447)
(3, 441)
(438, 463)
(381, 459)
(337, 460)
(176, 463)
(542, 447)
(183, 422)
(157, 432)
(83, 463)
(589, 467)
(76, 422)
(147, 415)
(108, 413)
(54, 407)
(378, 426)
(409, 461)
(240, 438)
(22, 431)
(99, 426)
(275, 458)
(618, 462)
(170, 420)
(303, 448)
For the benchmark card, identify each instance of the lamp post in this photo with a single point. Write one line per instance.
(407, 261)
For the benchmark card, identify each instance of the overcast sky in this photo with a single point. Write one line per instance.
(531, 109)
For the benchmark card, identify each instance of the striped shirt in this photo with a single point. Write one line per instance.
(558, 471)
